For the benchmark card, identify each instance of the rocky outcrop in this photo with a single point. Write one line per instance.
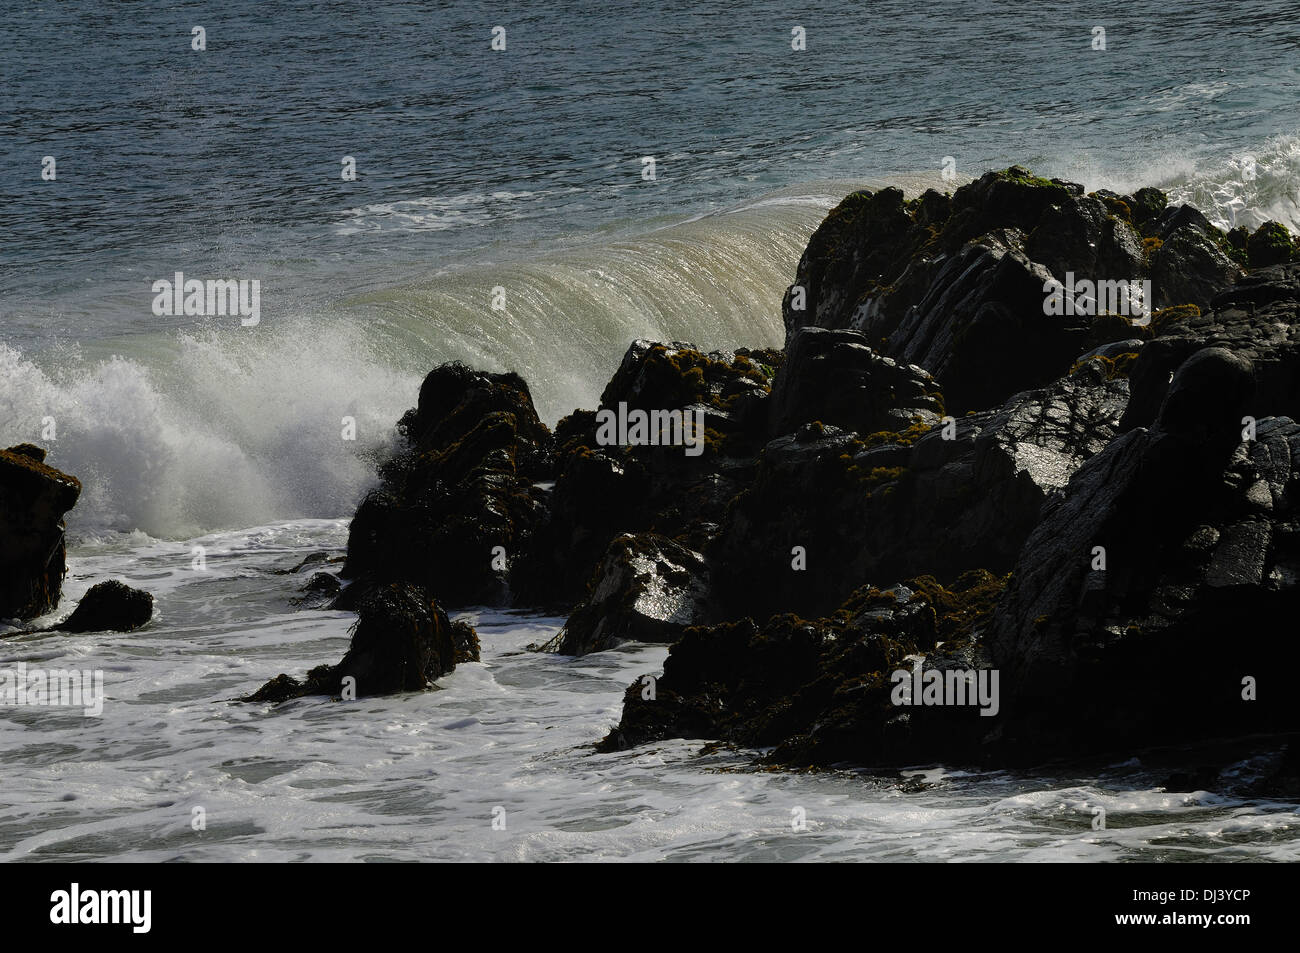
(836, 378)
(402, 642)
(1082, 500)
(828, 509)
(110, 606)
(958, 288)
(646, 589)
(1130, 534)
(461, 499)
(603, 489)
(1113, 625)
(820, 691)
(33, 498)
(1258, 318)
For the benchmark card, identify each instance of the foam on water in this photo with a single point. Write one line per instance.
(181, 432)
(216, 426)
(417, 776)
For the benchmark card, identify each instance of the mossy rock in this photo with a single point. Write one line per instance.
(1271, 244)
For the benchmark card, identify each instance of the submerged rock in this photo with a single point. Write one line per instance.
(33, 499)
(402, 642)
(319, 591)
(109, 606)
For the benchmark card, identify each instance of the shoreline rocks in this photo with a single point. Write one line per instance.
(402, 642)
(939, 482)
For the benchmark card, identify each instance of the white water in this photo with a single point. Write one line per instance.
(417, 776)
(213, 426)
(204, 430)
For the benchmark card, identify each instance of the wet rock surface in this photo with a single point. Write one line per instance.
(646, 589)
(944, 523)
(459, 497)
(110, 606)
(402, 642)
(33, 499)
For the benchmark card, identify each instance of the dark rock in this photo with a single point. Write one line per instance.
(402, 642)
(602, 491)
(1189, 266)
(1270, 244)
(311, 559)
(835, 378)
(1146, 205)
(896, 505)
(1256, 319)
(863, 243)
(1283, 778)
(465, 485)
(646, 589)
(33, 499)
(1196, 527)
(981, 328)
(819, 692)
(961, 292)
(318, 591)
(109, 606)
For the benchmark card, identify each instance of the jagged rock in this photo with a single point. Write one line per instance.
(33, 499)
(981, 329)
(1190, 265)
(819, 692)
(1196, 528)
(603, 490)
(898, 505)
(834, 377)
(1257, 318)
(962, 296)
(646, 589)
(465, 485)
(402, 642)
(109, 606)
(865, 240)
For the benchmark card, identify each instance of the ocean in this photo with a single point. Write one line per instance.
(524, 170)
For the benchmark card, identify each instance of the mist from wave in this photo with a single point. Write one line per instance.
(184, 431)
(212, 426)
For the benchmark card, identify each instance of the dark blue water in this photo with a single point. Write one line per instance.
(232, 156)
(519, 169)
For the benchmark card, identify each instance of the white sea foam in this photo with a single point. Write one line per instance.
(227, 427)
(417, 776)
(181, 433)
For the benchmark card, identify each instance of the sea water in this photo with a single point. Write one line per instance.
(520, 170)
